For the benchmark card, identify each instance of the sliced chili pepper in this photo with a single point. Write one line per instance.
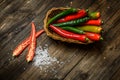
(18, 50)
(95, 22)
(32, 46)
(73, 29)
(64, 13)
(93, 36)
(73, 22)
(96, 29)
(68, 34)
(79, 14)
(94, 15)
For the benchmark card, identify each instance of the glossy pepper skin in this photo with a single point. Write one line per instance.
(79, 14)
(94, 15)
(32, 46)
(64, 13)
(73, 22)
(95, 29)
(93, 36)
(96, 22)
(68, 34)
(73, 29)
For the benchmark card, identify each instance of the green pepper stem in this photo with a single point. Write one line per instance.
(101, 38)
(86, 39)
(102, 22)
(87, 10)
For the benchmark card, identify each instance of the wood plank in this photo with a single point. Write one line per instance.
(74, 62)
(116, 75)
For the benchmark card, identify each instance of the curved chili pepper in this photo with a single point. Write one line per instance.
(18, 50)
(79, 14)
(95, 29)
(93, 36)
(97, 22)
(73, 29)
(32, 46)
(94, 15)
(64, 13)
(73, 22)
(68, 34)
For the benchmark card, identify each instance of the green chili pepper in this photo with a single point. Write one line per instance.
(73, 22)
(95, 29)
(94, 15)
(64, 13)
(73, 29)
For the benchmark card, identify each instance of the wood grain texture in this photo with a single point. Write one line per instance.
(97, 61)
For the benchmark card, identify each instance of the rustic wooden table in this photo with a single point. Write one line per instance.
(56, 60)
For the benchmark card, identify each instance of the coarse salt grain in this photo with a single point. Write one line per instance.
(42, 57)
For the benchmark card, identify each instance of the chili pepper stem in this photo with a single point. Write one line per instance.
(101, 38)
(102, 22)
(87, 39)
(87, 10)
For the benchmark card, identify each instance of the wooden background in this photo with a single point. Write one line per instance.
(97, 61)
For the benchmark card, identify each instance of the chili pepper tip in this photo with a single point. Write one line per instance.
(28, 61)
(98, 14)
(13, 55)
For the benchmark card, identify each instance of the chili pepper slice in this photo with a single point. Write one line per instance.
(64, 13)
(73, 22)
(18, 50)
(95, 22)
(68, 34)
(73, 29)
(32, 46)
(93, 36)
(79, 14)
(94, 15)
(95, 29)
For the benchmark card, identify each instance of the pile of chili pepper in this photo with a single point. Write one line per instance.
(29, 42)
(76, 24)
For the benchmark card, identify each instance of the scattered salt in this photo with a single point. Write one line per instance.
(58, 62)
(104, 57)
(24, 68)
(71, 3)
(14, 40)
(42, 57)
(45, 62)
(108, 7)
(9, 59)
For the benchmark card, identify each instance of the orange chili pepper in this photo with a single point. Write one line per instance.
(32, 46)
(18, 50)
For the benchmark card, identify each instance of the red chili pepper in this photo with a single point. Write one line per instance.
(18, 50)
(32, 46)
(93, 36)
(68, 34)
(79, 14)
(97, 22)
